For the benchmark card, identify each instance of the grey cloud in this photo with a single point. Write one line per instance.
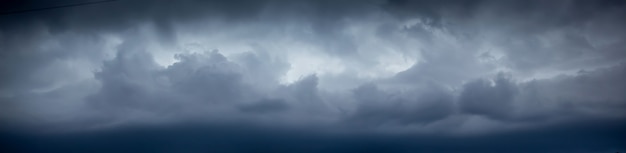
(209, 77)
(491, 99)
(130, 81)
(445, 65)
(198, 80)
(265, 106)
(469, 67)
(133, 81)
(305, 94)
(262, 70)
(589, 92)
(586, 93)
(379, 107)
(534, 36)
(531, 16)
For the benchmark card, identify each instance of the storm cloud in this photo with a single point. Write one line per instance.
(313, 76)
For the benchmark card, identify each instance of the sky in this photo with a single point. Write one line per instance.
(313, 76)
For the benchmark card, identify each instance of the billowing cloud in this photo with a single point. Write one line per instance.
(376, 74)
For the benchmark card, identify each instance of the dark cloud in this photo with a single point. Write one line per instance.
(265, 106)
(316, 76)
(587, 93)
(492, 99)
(380, 107)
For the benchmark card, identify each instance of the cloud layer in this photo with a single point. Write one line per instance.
(437, 71)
